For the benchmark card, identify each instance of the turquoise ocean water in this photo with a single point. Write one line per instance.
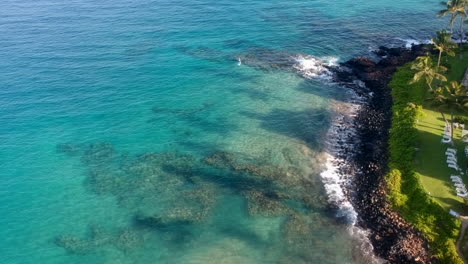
(130, 133)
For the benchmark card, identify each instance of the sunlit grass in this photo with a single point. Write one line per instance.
(430, 160)
(419, 180)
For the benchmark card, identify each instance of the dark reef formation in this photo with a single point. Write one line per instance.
(392, 237)
(99, 237)
(173, 196)
(170, 193)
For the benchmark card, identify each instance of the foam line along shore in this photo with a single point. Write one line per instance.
(393, 239)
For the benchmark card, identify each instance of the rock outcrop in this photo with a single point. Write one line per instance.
(393, 238)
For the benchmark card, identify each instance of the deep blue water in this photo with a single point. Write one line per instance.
(130, 134)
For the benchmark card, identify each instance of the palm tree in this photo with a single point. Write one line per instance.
(454, 8)
(437, 100)
(456, 99)
(426, 71)
(444, 43)
(463, 16)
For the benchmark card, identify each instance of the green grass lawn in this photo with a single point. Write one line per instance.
(431, 165)
(430, 158)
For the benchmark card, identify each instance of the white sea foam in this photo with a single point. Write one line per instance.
(313, 67)
(456, 38)
(333, 186)
(336, 182)
(364, 245)
(410, 42)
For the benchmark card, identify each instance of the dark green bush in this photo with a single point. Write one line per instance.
(461, 120)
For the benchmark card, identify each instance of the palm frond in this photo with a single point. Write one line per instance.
(442, 68)
(442, 13)
(440, 77)
(417, 77)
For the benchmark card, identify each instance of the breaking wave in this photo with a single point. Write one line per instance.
(410, 42)
(341, 131)
(335, 179)
(313, 67)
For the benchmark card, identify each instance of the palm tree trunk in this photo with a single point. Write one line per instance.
(438, 61)
(451, 130)
(451, 24)
(461, 30)
(430, 86)
(443, 116)
(461, 37)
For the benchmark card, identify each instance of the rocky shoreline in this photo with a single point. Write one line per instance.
(392, 237)
(360, 155)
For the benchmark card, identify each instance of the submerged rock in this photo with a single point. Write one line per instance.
(97, 153)
(73, 244)
(281, 176)
(97, 238)
(69, 149)
(127, 240)
(268, 59)
(266, 204)
(163, 221)
(171, 194)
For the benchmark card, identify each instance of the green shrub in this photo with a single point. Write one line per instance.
(397, 198)
(461, 119)
(405, 190)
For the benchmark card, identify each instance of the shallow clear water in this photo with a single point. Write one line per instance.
(130, 133)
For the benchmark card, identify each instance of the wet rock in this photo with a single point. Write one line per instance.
(392, 237)
(382, 51)
(361, 63)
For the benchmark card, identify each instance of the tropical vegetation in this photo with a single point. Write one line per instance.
(443, 43)
(456, 8)
(425, 70)
(406, 191)
(418, 88)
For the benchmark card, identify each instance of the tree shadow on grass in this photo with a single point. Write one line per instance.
(455, 205)
(431, 164)
(430, 127)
